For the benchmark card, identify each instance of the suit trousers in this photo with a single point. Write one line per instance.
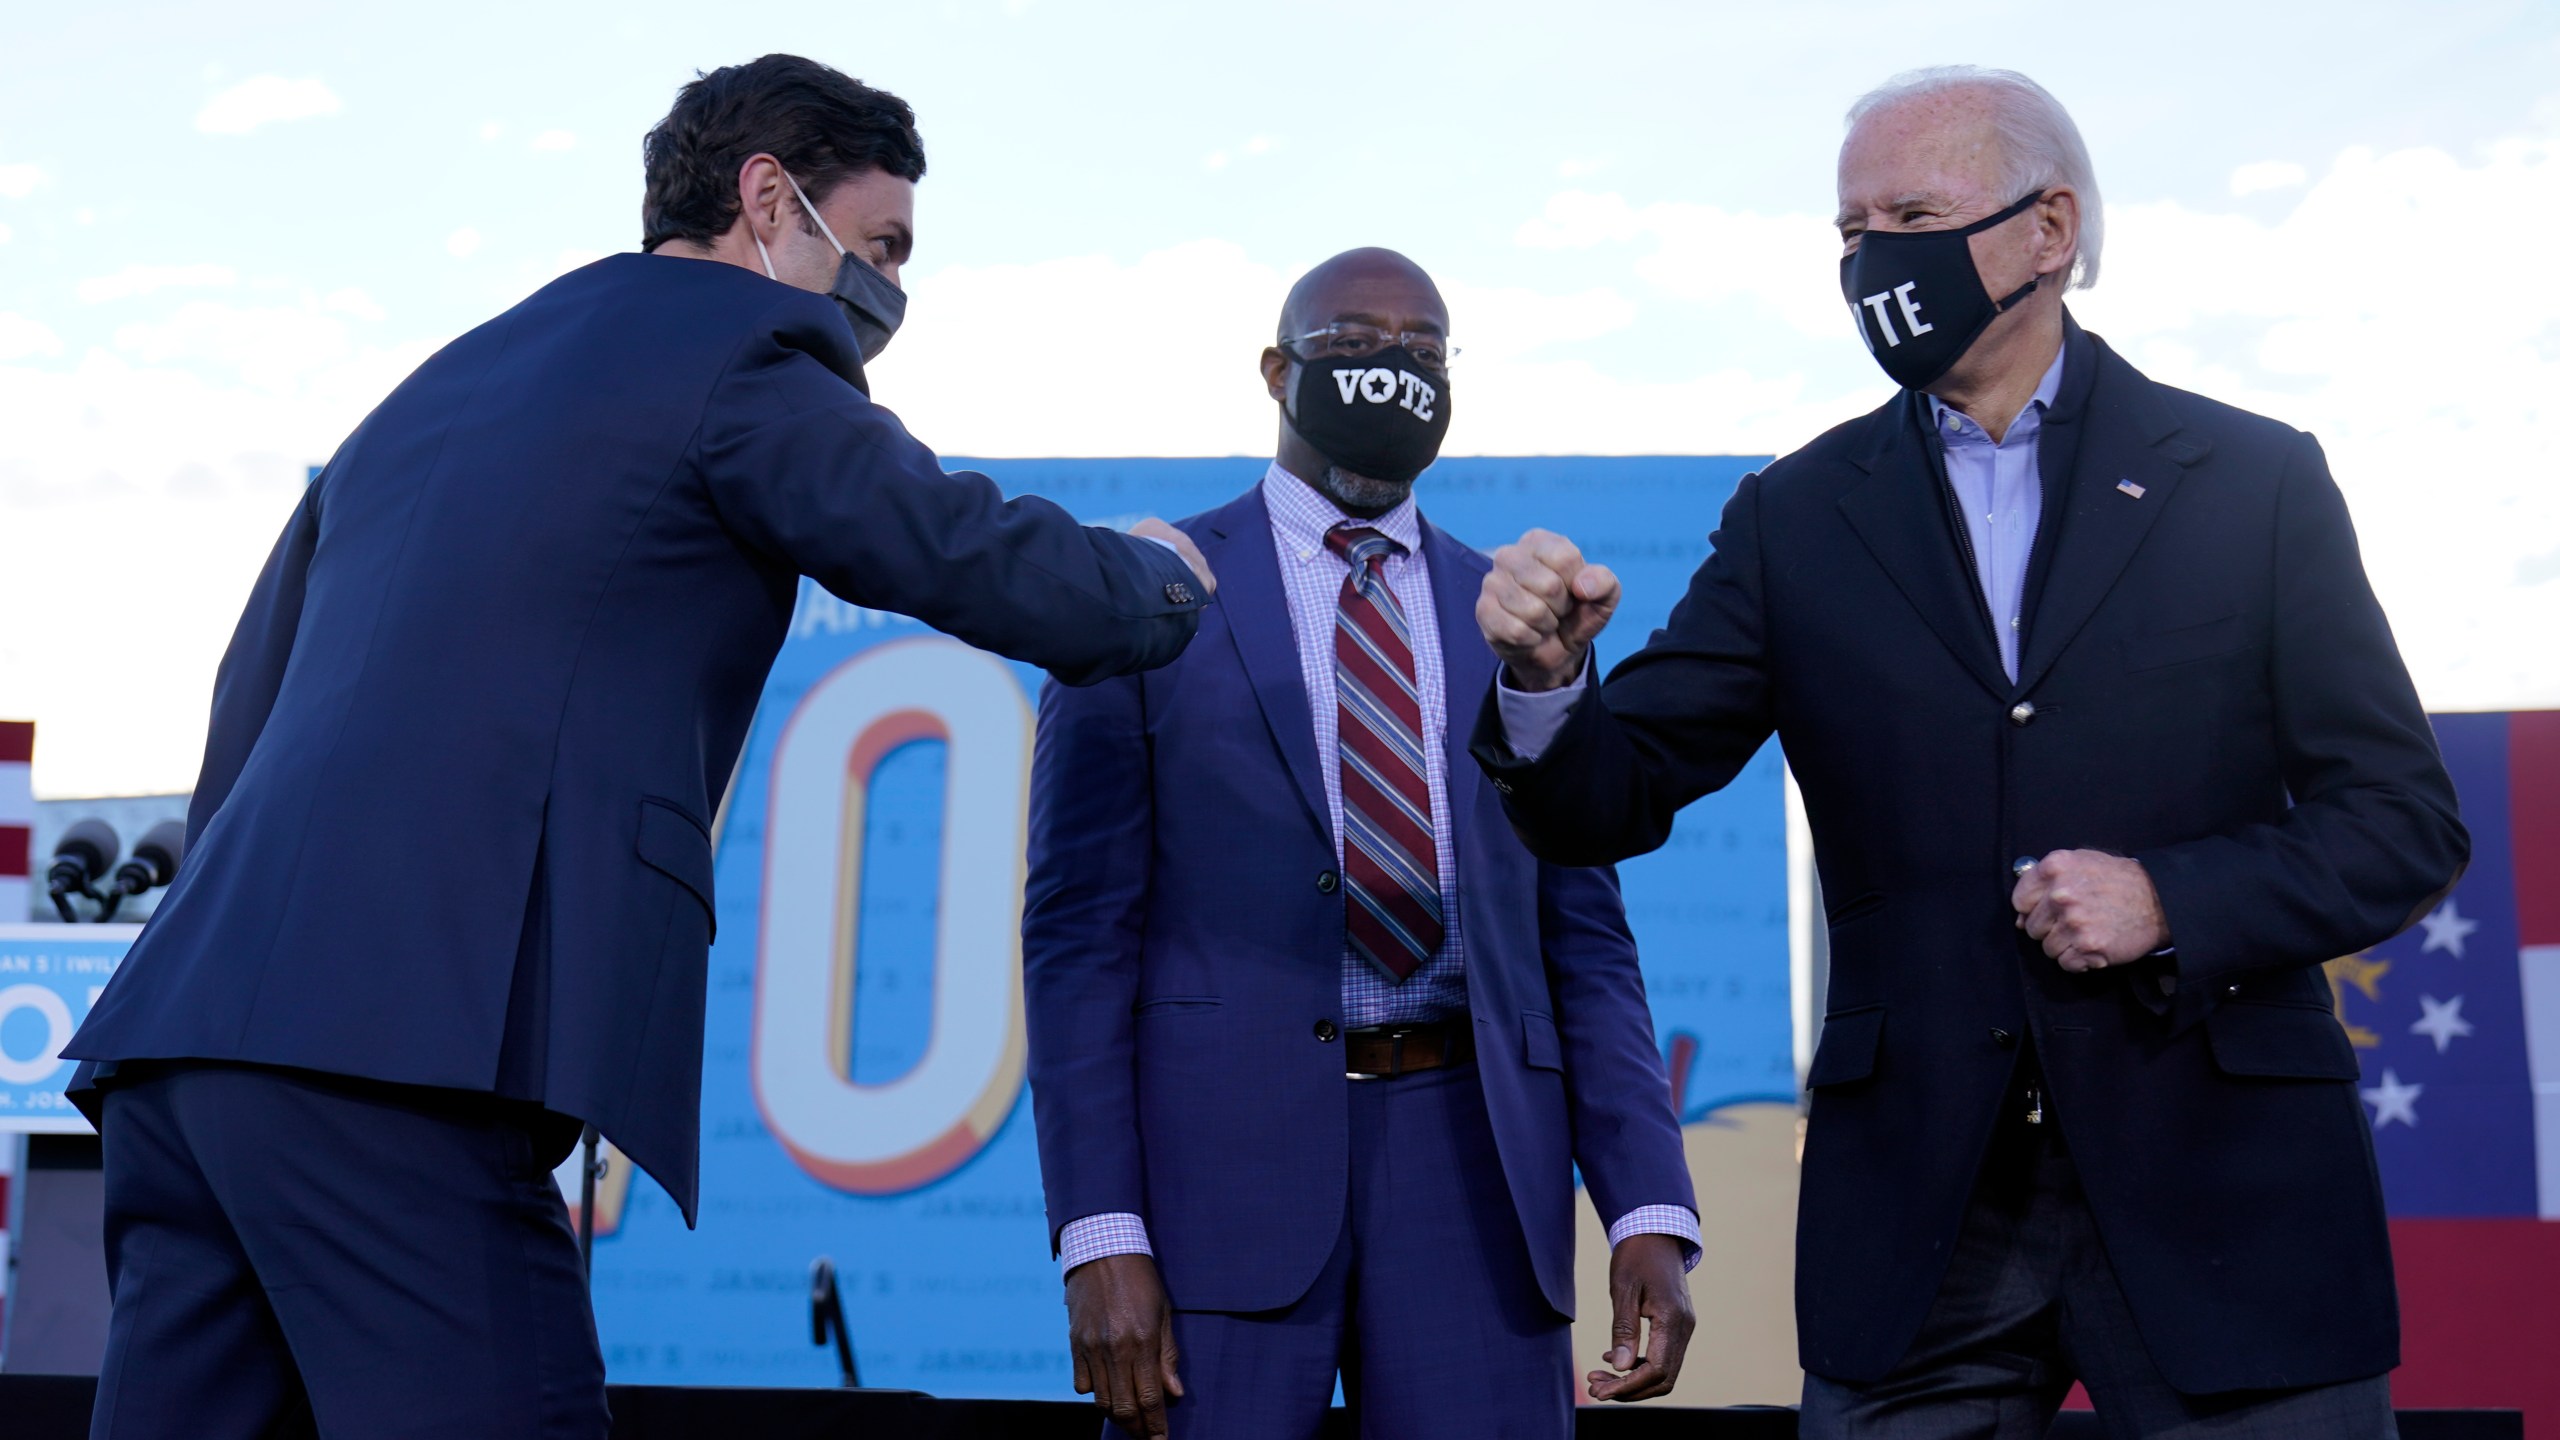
(2030, 1303)
(293, 1254)
(1428, 1309)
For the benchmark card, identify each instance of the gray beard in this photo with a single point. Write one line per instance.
(1360, 494)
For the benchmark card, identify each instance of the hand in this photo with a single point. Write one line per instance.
(1540, 608)
(1120, 1327)
(1648, 1278)
(2090, 909)
(1154, 529)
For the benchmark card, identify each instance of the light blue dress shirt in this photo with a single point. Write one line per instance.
(2002, 495)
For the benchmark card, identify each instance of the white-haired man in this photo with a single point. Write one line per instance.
(2106, 747)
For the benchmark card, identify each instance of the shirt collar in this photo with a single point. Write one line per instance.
(1302, 516)
(2028, 414)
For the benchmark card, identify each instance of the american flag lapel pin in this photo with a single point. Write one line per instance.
(2130, 488)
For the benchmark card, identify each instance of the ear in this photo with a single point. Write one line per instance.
(1275, 373)
(2059, 214)
(762, 193)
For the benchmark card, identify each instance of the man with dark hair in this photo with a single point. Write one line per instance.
(449, 876)
(1316, 1045)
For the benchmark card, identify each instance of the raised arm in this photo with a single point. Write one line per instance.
(1676, 720)
(805, 469)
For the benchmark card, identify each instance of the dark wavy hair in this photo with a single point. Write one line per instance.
(823, 125)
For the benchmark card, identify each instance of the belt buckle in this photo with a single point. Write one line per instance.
(1395, 1056)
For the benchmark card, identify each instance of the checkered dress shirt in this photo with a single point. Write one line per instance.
(1312, 576)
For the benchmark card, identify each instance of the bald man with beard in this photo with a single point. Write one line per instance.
(1316, 1044)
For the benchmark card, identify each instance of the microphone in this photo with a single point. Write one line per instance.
(154, 864)
(80, 859)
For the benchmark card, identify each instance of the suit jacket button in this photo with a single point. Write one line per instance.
(1178, 593)
(2022, 712)
(1326, 1030)
(2002, 1038)
(1503, 786)
(1326, 883)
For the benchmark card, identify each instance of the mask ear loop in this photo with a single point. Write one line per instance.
(767, 256)
(2001, 307)
(813, 214)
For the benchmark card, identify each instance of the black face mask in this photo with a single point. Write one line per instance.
(874, 305)
(1917, 299)
(1382, 416)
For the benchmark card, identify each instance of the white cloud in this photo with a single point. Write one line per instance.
(462, 244)
(1257, 145)
(1492, 323)
(555, 140)
(151, 475)
(969, 377)
(352, 303)
(6, 234)
(2268, 175)
(17, 182)
(135, 280)
(491, 129)
(2439, 409)
(974, 371)
(265, 100)
(24, 339)
(1784, 265)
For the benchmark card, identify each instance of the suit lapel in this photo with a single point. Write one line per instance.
(1466, 662)
(1900, 512)
(1257, 611)
(2128, 436)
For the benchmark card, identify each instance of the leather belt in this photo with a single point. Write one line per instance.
(1383, 1052)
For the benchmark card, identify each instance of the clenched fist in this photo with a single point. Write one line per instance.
(2090, 909)
(1541, 607)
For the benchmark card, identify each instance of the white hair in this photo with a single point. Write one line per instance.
(2039, 146)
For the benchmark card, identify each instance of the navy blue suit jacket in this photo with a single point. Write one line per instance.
(1183, 937)
(452, 825)
(2205, 684)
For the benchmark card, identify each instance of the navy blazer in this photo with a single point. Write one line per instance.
(452, 825)
(2205, 684)
(1183, 938)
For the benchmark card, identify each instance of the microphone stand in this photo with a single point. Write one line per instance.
(826, 1318)
(589, 1167)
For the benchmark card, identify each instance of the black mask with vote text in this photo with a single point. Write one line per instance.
(1382, 415)
(1918, 300)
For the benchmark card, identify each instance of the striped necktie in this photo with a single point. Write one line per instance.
(1390, 858)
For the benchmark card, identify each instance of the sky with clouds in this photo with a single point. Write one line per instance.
(226, 230)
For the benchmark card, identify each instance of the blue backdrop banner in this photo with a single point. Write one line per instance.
(863, 1092)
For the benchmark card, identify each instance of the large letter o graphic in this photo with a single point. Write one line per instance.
(894, 1136)
(57, 1024)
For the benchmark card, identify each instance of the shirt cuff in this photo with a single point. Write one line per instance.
(1532, 719)
(1676, 1221)
(1116, 1232)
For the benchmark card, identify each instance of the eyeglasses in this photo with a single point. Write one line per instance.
(1341, 341)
